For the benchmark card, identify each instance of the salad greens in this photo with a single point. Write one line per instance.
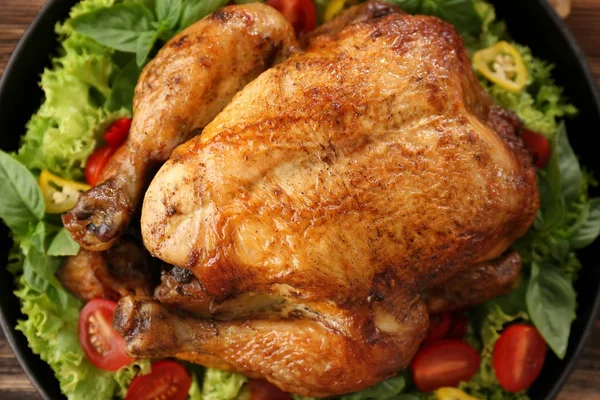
(104, 45)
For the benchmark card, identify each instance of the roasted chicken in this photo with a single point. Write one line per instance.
(179, 92)
(326, 210)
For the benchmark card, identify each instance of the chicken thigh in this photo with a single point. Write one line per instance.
(321, 211)
(179, 92)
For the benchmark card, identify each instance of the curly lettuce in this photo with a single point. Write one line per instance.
(69, 123)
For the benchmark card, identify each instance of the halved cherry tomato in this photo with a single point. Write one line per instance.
(96, 163)
(102, 345)
(302, 14)
(444, 363)
(263, 390)
(439, 325)
(459, 326)
(168, 380)
(518, 357)
(117, 132)
(538, 147)
(59, 194)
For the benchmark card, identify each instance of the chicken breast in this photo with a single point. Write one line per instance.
(324, 203)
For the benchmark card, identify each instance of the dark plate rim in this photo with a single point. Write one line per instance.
(24, 354)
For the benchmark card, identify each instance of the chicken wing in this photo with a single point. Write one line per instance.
(179, 92)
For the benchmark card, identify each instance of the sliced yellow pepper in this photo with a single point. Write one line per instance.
(335, 7)
(60, 194)
(503, 65)
(450, 393)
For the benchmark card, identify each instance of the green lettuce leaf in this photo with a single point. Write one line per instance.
(221, 385)
(484, 384)
(125, 375)
(66, 129)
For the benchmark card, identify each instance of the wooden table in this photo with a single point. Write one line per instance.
(584, 383)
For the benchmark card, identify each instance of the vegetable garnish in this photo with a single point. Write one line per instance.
(168, 380)
(538, 146)
(96, 163)
(117, 132)
(518, 357)
(302, 14)
(444, 363)
(60, 194)
(334, 8)
(102, 345)
(503, 65)
(450, 393)
(439, 326)
(90, 84)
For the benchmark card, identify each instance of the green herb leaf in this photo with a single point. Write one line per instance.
(63, 245)
(145, 44)
(118, 27)
(168, 12)
(123, 88)
(384, 390)
(571, 177)
(195, 10)
(590, 229)
(551, 304)
(460, 13)
(21, 203)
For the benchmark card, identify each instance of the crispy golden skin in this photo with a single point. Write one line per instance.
(325, 200)
(179, 92)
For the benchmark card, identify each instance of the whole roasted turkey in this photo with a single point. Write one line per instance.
(342, 196)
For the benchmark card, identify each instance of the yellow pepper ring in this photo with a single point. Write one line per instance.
(450, 393)
(59, 194)
(333, 8)
(502, 64)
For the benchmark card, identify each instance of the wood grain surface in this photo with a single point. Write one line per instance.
(584, 383)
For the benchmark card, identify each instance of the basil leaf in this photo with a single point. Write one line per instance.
(168, 12)
(551, 304)
(552, 209)
(195, 10)
(21, 203)
(121, 95)
(383, 390)
(590, 229)
(39, 269)
(63, 245)
(460, 13)
(571, 177)
(145, 43)
(117, 27)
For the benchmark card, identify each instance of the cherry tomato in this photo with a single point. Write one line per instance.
(444, 363)
(538, 147)
(263, 390)
(518, 357)
(117, 132)
(96, 163)
(302, 14)
(459, 326)
(102, 345)
(439, 325)
(168, 380)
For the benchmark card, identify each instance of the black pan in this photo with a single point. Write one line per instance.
(531, 22)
